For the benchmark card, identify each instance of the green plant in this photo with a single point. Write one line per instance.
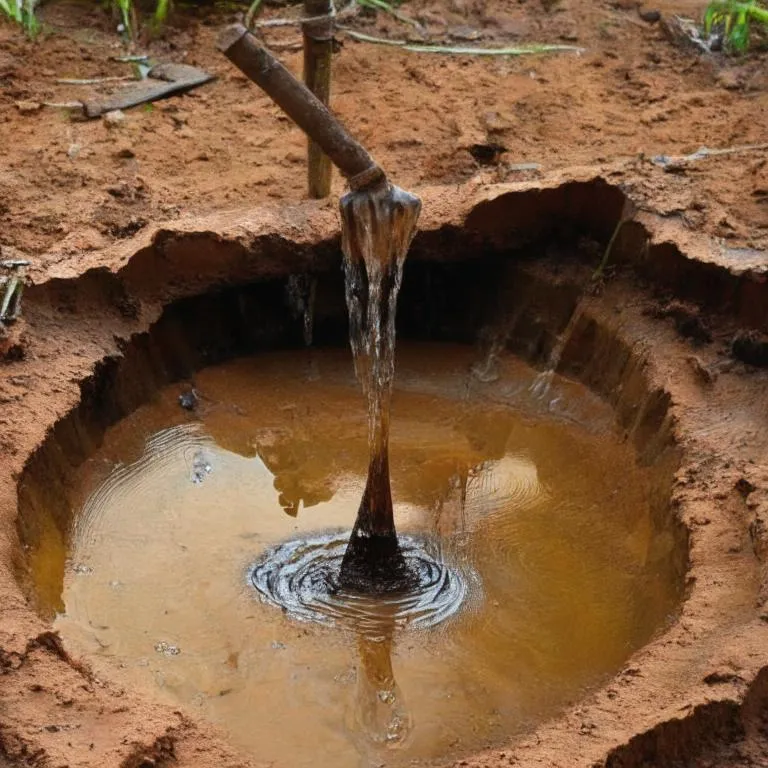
(22, 12)
(129, 18)
(736, 19)
(162, 9)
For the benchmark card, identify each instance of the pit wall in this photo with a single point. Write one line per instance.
(455, 302)
(175, 298)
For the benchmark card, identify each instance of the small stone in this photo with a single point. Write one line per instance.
(28, 107)
(167, 649)
(188, 400)
(114, 118)
(73, 151)
(651, 16)
(464, 33)
(487, 153)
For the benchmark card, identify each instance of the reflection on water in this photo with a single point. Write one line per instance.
(540, 510)
(381, 716)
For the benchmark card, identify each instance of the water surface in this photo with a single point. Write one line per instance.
(535, 502)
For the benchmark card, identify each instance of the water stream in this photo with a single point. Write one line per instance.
(543, 382)
(300, 293)
(378, 225)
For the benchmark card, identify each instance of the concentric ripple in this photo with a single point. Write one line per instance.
(301, 576)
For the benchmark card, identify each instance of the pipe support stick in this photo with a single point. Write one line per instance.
(301, 105)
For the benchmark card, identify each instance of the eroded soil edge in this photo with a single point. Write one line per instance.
(655, 341)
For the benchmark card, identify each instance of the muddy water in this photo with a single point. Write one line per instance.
(538, 507)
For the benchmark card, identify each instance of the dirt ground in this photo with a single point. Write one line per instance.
(69, 186)
(222, 160)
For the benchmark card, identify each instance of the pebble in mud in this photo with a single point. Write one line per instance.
(167, 649)
(188, 400)
(649, 15)
(114, 119)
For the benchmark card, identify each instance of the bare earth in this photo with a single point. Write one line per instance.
(69, 186)
(80, 195)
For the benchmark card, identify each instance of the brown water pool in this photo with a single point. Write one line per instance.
(541, 511)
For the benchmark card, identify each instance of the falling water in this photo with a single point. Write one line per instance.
(493, 342)
(541, 384)
(300, 294)
(378, 225)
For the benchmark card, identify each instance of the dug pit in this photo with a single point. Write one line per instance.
(541, 562)
(597, 534)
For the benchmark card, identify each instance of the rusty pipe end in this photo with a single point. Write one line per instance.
(229, 36)
(370, 177)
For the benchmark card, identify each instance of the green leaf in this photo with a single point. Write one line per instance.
(740, 34)
(161, 12)
(709, 19)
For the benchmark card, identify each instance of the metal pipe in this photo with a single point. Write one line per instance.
(301, 105)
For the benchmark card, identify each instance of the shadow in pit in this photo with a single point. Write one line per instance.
(716, 733)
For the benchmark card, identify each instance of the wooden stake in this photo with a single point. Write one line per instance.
(318, 49)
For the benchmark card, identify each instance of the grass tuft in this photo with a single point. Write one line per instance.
(23, 13)
(735, 19)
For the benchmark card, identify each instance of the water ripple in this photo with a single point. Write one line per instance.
(301, 577)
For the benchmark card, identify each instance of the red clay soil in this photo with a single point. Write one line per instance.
(696, 696)
(130, 200)
(68, 186)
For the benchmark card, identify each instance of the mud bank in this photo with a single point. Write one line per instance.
(102, 333)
